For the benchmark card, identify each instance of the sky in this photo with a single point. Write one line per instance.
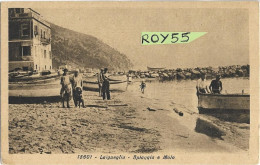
(226, 41)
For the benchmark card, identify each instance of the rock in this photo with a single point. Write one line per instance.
(180, 113)
(151, 109)
(175, 110)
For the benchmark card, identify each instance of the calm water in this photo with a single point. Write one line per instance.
(184, 92)
(182, 95)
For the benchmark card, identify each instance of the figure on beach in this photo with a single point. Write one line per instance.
(65, 91)
(142, 86)
(105, 85)
(77, 86)
(216, 85)
(100, 82)
(201, 84)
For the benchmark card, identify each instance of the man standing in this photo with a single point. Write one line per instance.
(100, 82)
(77, 82)
(216, 85)
(105, 85)
(65, 91)
(201, 85)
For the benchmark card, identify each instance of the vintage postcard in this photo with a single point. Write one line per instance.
(129, 82)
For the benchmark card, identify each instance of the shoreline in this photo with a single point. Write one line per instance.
(121, 125)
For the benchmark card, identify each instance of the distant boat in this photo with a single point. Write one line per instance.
(223, 102)
(155, 69)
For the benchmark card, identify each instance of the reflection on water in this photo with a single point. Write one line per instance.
(205, 127)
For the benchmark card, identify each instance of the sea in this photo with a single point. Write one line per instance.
(180, 95)
(183, 92)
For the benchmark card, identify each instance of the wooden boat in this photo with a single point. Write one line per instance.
(43, 88)
(114, 86)
(33, 78)
(117, 83)
(154, 68)
(118, 78)
(223, 102)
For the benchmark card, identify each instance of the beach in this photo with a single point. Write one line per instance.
(128, 123)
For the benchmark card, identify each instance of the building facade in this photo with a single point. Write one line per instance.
(29, 41)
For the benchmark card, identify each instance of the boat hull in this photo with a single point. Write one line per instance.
(223, 103)
(37, 90)
(114, 86)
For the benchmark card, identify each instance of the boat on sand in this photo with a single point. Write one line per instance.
(117, 83)
(40, 89)
(223, 103)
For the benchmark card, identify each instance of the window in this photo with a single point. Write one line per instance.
(44, 34)
(25, 31)
(36, 67)
(25, 68)
(45, 67)
(44, 53)
(26, 50)
(35, 30)
(50, 67)
(15, 51)
(35, 51)
(18, 10)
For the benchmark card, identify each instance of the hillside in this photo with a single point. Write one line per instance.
(78, 49)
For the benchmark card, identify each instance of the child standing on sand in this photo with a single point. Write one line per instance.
(142, 86)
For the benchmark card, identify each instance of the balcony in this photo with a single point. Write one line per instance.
(45, 41)
(27, 58)
(20, 15)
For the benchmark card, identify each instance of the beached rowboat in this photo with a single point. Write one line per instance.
(114, 85)
(50, 89)
(223, 102)
(117, 83)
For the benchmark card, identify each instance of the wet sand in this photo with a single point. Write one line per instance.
(123, 124)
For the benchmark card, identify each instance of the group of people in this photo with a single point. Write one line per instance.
(215, 86)
(71, 87)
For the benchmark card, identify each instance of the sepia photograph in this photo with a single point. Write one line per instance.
(124, 81)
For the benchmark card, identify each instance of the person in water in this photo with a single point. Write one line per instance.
(105, 85)
(216, 85)
(201, 85)
(142, 86)
(65, 91)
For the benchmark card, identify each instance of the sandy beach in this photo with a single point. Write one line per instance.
(123, 124)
